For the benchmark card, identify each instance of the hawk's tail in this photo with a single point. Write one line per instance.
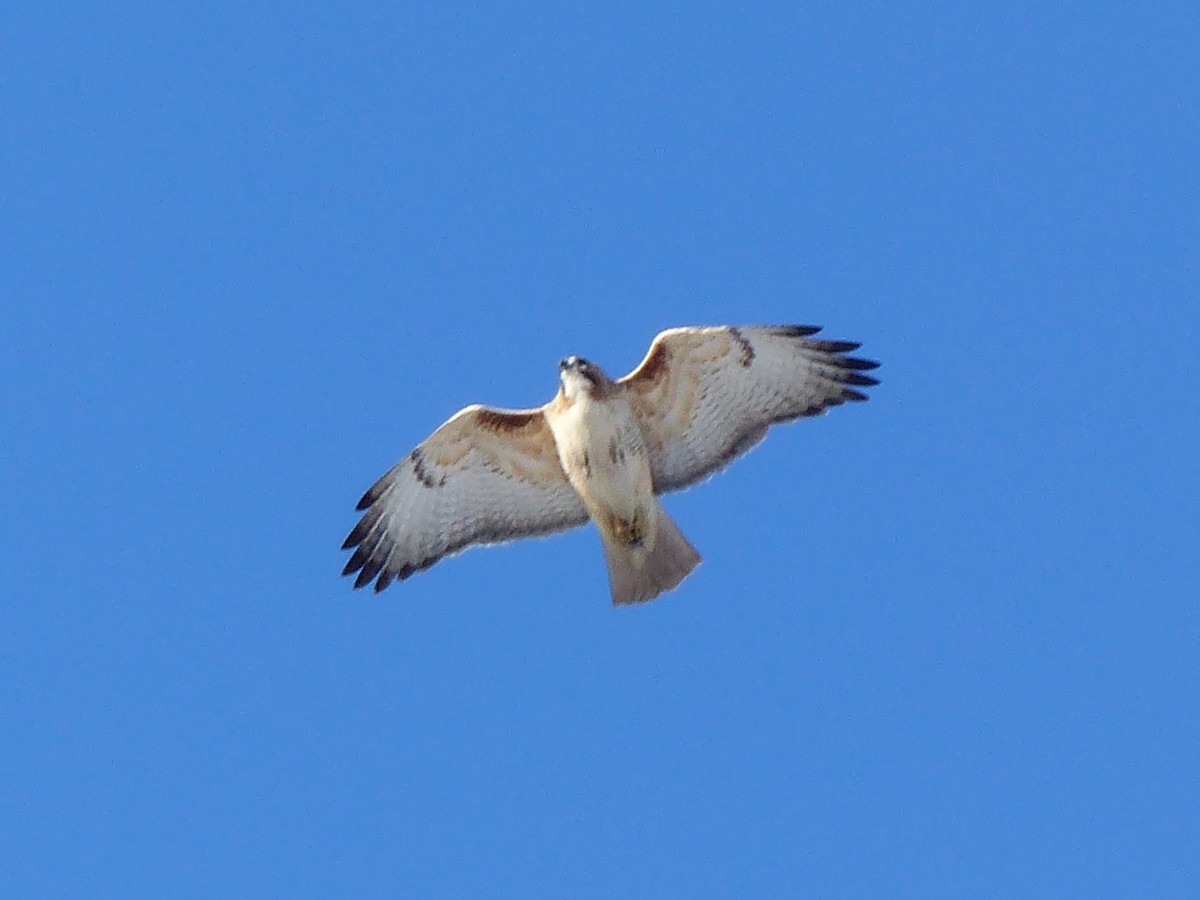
(635, 575)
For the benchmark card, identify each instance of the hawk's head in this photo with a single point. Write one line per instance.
(578, 376)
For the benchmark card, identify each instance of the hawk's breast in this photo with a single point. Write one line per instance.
(603, 452)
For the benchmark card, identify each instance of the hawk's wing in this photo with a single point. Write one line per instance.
(706, 395)
(487, 475)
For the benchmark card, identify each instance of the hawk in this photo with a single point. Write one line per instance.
(602, 450)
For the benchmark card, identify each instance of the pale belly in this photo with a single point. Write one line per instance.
(601, 448)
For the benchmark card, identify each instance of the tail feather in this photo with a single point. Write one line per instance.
(636, 576)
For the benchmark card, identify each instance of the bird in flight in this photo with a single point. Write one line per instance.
(602, 450)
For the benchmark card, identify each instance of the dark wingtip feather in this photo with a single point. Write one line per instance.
(834, 346)
(363, 528)
(861, 380)
(356, 562)
(853, 362)
(368, 573)
(848, 369)
(795, 330)
(385, 578)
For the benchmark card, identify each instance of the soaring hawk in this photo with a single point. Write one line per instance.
(602, 450)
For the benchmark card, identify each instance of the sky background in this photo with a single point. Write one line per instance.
(943, 644)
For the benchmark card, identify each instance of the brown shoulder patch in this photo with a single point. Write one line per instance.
(498, 420)
(653, 365)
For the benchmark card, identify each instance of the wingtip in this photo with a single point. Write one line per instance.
(835, 346)
(860, 380)
(797, 331)
(854, 362)
(368, 573)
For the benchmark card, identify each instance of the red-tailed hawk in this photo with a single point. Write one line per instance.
(602, 450)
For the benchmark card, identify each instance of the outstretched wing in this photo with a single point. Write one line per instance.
(706, 395)
(486, 476)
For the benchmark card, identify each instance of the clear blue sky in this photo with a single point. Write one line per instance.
(943, 644)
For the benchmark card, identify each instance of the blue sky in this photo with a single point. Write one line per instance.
(943, 644)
